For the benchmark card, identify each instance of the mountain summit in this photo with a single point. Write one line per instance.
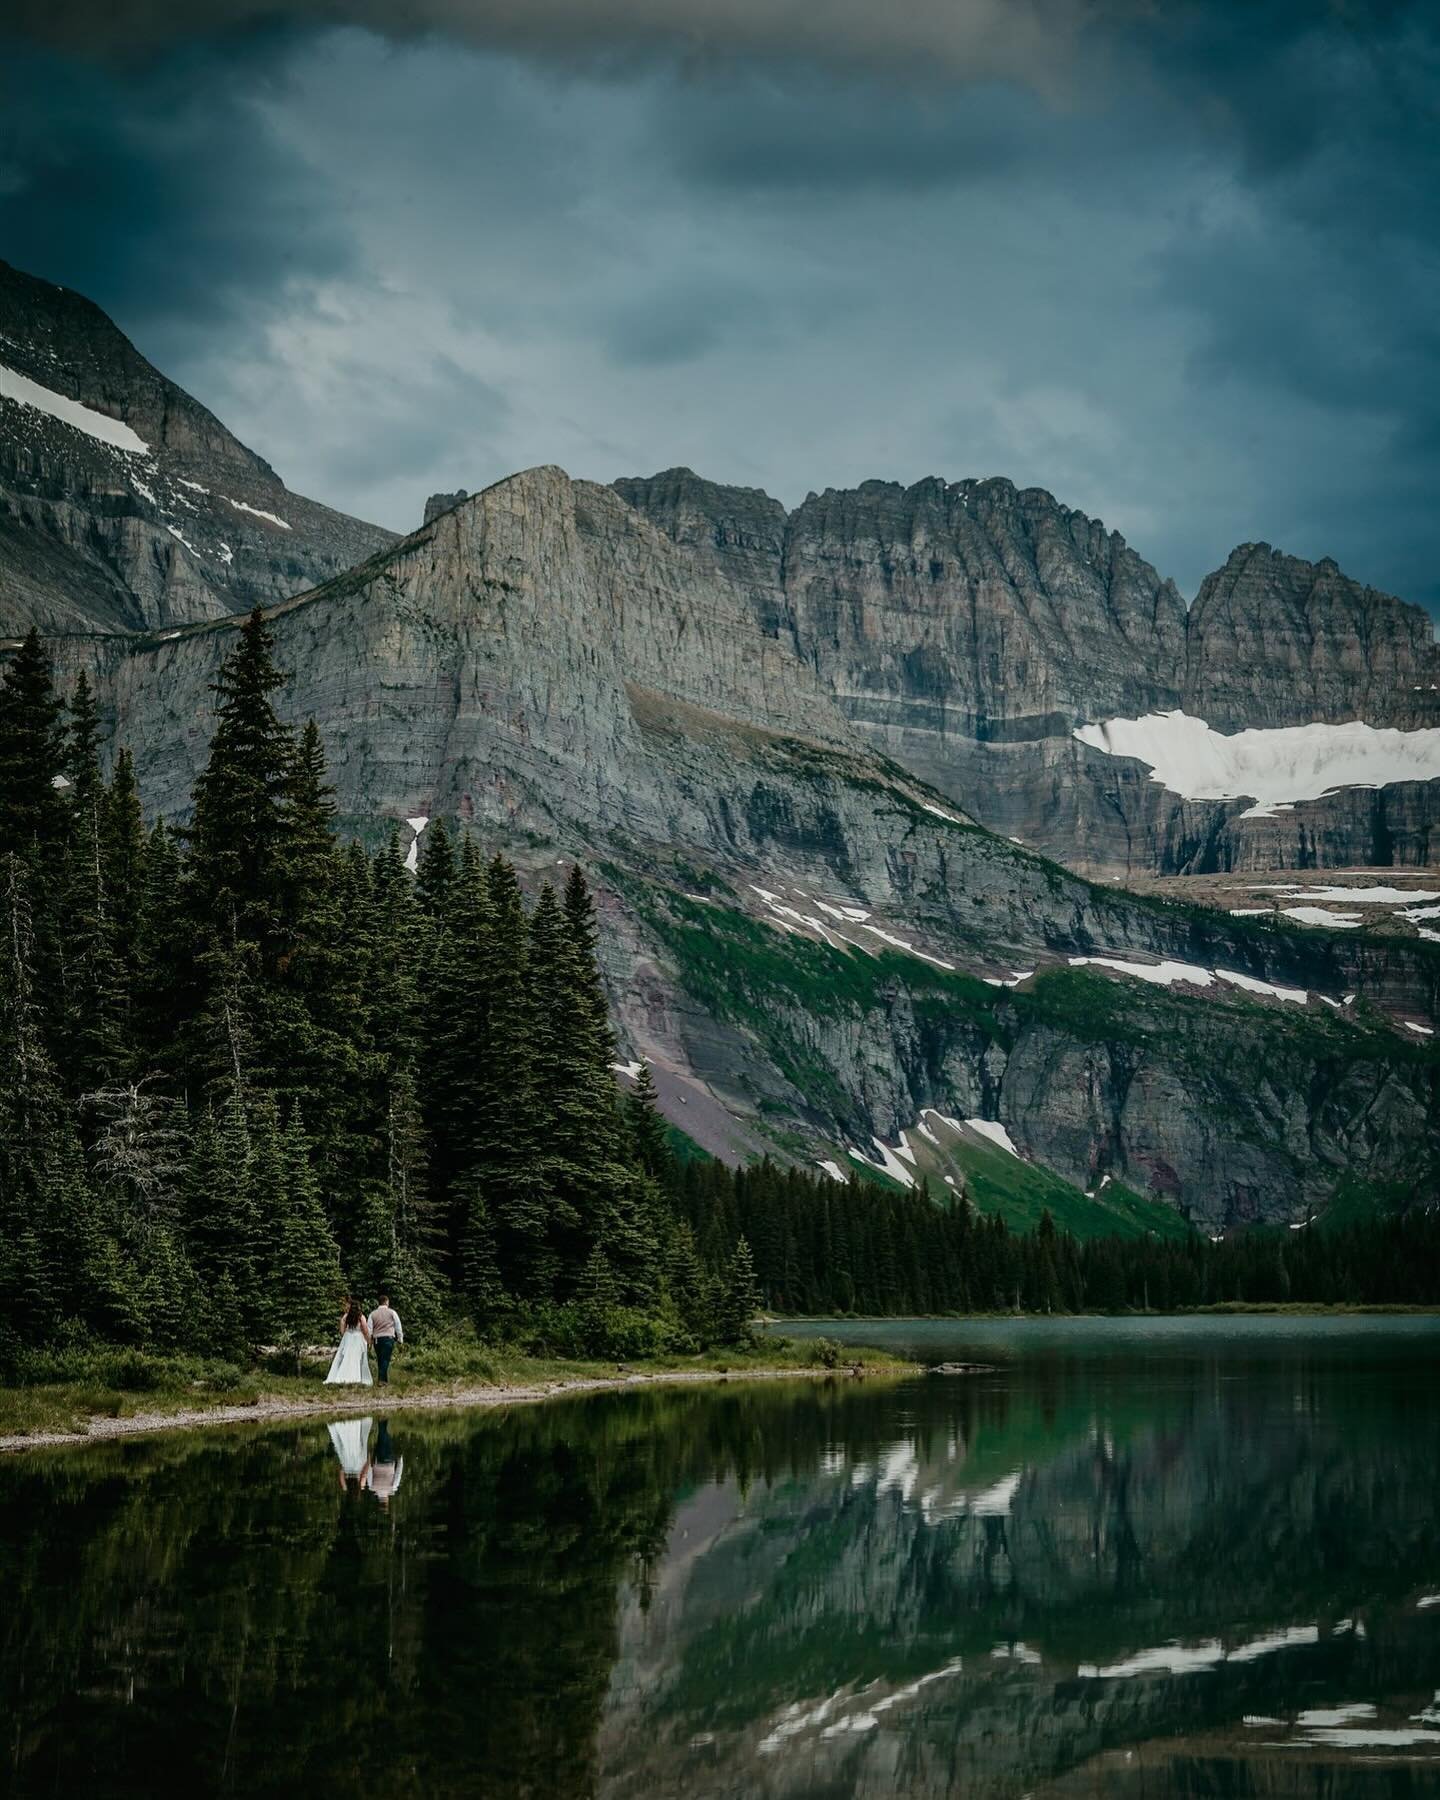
(124, 504)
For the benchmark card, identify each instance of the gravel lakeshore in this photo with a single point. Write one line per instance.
(101, 1427)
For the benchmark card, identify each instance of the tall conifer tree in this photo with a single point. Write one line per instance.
(306, 1282)
(505, 1141)
(32, 752)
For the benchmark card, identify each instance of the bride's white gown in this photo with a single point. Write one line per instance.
(351, 1364)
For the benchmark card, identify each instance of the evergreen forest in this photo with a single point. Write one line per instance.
(247, 1066)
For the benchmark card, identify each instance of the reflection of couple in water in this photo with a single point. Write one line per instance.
(378, 1473)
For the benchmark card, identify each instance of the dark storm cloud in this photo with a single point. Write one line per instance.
(1174, 261)
(159, 191)
(971, 37)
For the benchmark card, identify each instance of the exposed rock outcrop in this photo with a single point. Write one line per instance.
(442, 503)
(97, 537)
(1274, 640)
(969, 628)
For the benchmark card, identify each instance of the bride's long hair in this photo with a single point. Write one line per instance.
(353, 1314)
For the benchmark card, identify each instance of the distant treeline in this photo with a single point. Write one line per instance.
(248, 1065)
(821, 1246)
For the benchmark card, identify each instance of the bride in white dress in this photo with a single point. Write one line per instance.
(350, 1366)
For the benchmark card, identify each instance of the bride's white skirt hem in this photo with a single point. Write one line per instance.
(350, 1366)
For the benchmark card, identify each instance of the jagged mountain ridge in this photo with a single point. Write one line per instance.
(755, 717)
(968, 628)
(96, 536)
(799, 931)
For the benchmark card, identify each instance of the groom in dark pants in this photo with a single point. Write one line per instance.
(386, 1331)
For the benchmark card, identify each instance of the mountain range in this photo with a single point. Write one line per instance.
(862, 784)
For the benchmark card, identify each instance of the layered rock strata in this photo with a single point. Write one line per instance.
(147, 512)
(970, 628)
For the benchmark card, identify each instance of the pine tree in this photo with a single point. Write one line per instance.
(238, 874)
(307, 1278)
(480, 1283)
(141, 1152)
(687, 1286)
(436, 875)
(35, 1127)
(505, 1139)
(406, 1159)
(163, 991)
(597, 1289)
(398, 945)
(81, 741)
(76, 1240)
(169, 1299)
(579, 911)
(373, 1253)
(267, 1188)
(739, 1298)
(32, 753)
(221, 1230)
(94, 1001)
(238, 837)
(587, 1154)
(649, 1137)
(124, 851)
(29, 1092)
(453, 1065)
(318, 998)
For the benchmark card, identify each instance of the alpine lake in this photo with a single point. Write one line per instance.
(1194, 1557)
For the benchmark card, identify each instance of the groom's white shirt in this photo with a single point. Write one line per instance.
(387, 1326)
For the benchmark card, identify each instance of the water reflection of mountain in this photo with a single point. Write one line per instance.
(825, 1590)
(1010, 1589)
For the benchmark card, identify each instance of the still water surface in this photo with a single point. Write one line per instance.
(1170, 1558)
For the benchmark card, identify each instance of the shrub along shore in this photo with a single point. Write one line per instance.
(82, 1397)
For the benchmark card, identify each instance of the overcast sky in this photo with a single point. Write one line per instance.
(1175, 262)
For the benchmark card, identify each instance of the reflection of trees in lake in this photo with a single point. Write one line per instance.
(525, 1617)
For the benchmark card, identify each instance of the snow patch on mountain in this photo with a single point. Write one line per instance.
(888, 1161)
(257, 512)
(1322, 915)
(14, 386)
(1167, 974)
(1350, 896)
(994, 1132)
(1273, 766)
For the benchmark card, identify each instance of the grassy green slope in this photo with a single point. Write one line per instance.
(1020, 1191)
(784, 996)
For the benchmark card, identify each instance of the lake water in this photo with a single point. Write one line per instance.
(1194, 1558)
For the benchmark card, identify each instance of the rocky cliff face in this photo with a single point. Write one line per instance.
(798, 929)
(1274, 640)
(969, 628)
(442, 503)
(167, 520)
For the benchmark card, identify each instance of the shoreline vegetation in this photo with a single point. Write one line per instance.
(132, 1394)
(117, 1393)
